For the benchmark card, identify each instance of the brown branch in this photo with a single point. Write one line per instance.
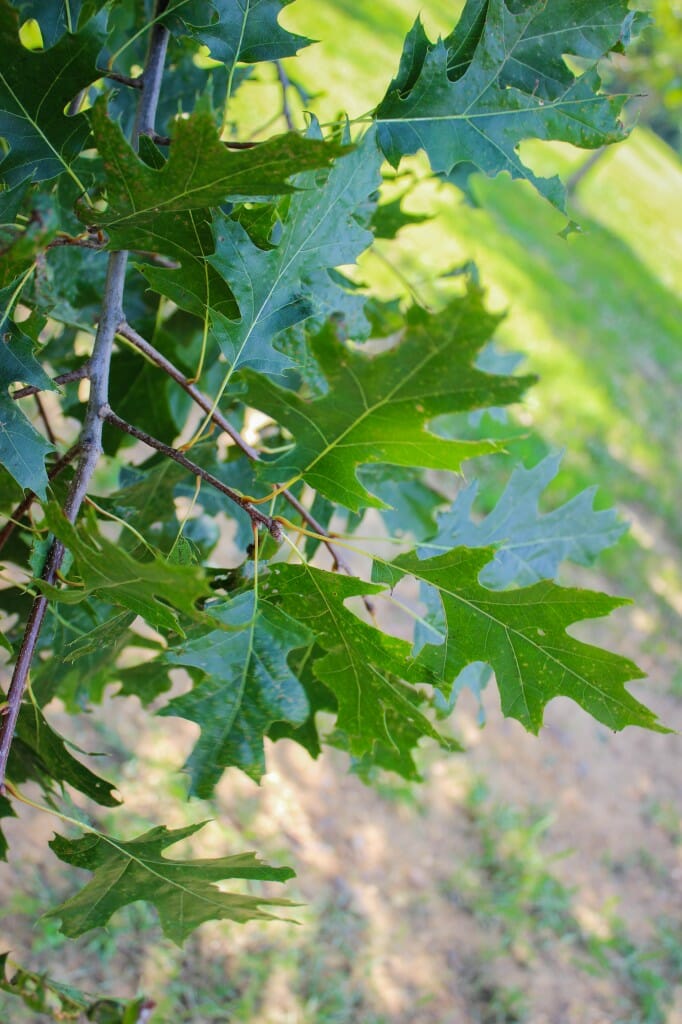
(63, 378)
(205, 403)
(257, 517)
(133, 83)
(24, 505)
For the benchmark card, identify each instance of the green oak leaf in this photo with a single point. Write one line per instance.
(241, 30)
(246, 685)
(529, 546)
(475, 96)
(323, 227)
(522, 635)
(22, 448)
(155, 589)
(199, 172)
(181, 890)
(35, 89)
(362, 666)
(39, 754)
(387, 401)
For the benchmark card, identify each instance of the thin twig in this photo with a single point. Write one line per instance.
(285, 83)
(82, 241)
(24, 505)
(90, 444)
(205, 403)
(46, 422)
(133, 83)
(257, 517)
(63, 378)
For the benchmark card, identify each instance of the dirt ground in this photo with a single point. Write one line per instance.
(391, 924)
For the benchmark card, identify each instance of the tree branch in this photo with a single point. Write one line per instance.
(257, 517)
(205, 403)
(90, 444)
(63, 378)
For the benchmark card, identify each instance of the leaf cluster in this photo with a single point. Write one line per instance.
(254, 387)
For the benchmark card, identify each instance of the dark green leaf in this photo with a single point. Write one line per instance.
(181, 890)
(39, 754)
(6, 811)
(35, 89)
(324, 227)
(241, 30)
(387, 402)
(137, 194)
(246, 686)
(362, 666)
(474, 97)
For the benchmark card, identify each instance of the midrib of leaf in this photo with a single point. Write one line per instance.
(464, 116)
(477, 608)
(72, 174)
(369, 411)
(281, 274)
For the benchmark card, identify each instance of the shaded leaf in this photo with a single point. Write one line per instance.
(387, 401)
(502, 78)
(6, 811)
(39, 754)
(529, 546)
(181, 890)
(246, 685)
(241, 30)
(137, 194)
(35, 89)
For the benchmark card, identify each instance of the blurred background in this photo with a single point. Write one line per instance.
(530, 879)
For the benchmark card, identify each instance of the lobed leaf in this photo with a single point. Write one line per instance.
(387, 402)
(502, 77)
(529, 546)
(522, 635)
(156, 589)
(181, 890)
(246, 685)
